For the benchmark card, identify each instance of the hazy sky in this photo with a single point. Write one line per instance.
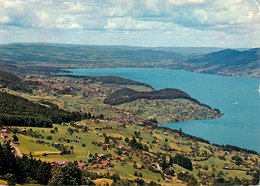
(222, 23)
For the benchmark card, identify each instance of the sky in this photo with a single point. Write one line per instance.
(150, 23)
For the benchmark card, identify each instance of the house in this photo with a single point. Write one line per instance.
(4, 135)
(168, 176)
(139, 167)
(106, 145)
(176, 134)
(106, 163)
(60, 163)
(23, 130)
(95, 166)
(194, 164)
(124, 152)
(117, 158)
(100, 155)
(82, 166)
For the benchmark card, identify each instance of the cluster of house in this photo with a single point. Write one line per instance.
(80, 165)
(60, 85)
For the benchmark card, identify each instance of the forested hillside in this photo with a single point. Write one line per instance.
(13, 82)
(111, 80)
(127, 95)
(17, 111)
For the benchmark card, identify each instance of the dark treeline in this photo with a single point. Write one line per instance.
(13, 82)
(28, 170)
(224, 147)
(110, 80)
(18, 111)
(234, 148)
(126, 95)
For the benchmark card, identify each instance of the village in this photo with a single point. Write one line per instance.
(78, 94)
(141, 151)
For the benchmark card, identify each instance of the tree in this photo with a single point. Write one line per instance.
(71, 174)
(57, 176)
(44, 173)
(15, 138)
(10, 179)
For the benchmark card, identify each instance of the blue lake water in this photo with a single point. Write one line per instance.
(236, 97)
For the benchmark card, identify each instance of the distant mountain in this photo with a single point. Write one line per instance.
(47, 58)
(189, 51)
(228, 57)
(226, 62)
(71, 54)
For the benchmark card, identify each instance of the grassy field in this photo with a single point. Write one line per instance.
(125, 167)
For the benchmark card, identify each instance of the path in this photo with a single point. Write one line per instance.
(18, 152)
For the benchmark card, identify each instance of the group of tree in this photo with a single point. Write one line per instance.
(18, 111)
(138, 145)
(29, 170)
(182, 161)
(126, 95)
(13, 82)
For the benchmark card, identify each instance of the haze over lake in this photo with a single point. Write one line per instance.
(236, 97)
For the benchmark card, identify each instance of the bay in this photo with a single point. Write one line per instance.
(236, 97)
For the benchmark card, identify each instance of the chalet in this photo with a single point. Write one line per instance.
(117, 158)
(194, 164)
(168, 177)
(124, 152)
(4, 135)
(105, 145)
(60, 163)
(188, 154)
(100, 155)
(106, 163)
(121, 146)
(139, 167)
(82, 166)
(176, 134)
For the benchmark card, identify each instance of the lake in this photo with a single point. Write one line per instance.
(236, 97)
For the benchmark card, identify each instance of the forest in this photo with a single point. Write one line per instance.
(126, 95)
(110, 80)
(19, 111)
(13, 82)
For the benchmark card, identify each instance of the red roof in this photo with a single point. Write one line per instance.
(100, 155)
(106, 163)
(4, 134)
(117, 157)
(61, 162)
(81, 165)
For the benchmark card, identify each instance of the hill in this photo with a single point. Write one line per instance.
(109, 80)
(71, 54)
(13, 82)
(128, 95)
(225, 62)
(228, 57)
(18, 111)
